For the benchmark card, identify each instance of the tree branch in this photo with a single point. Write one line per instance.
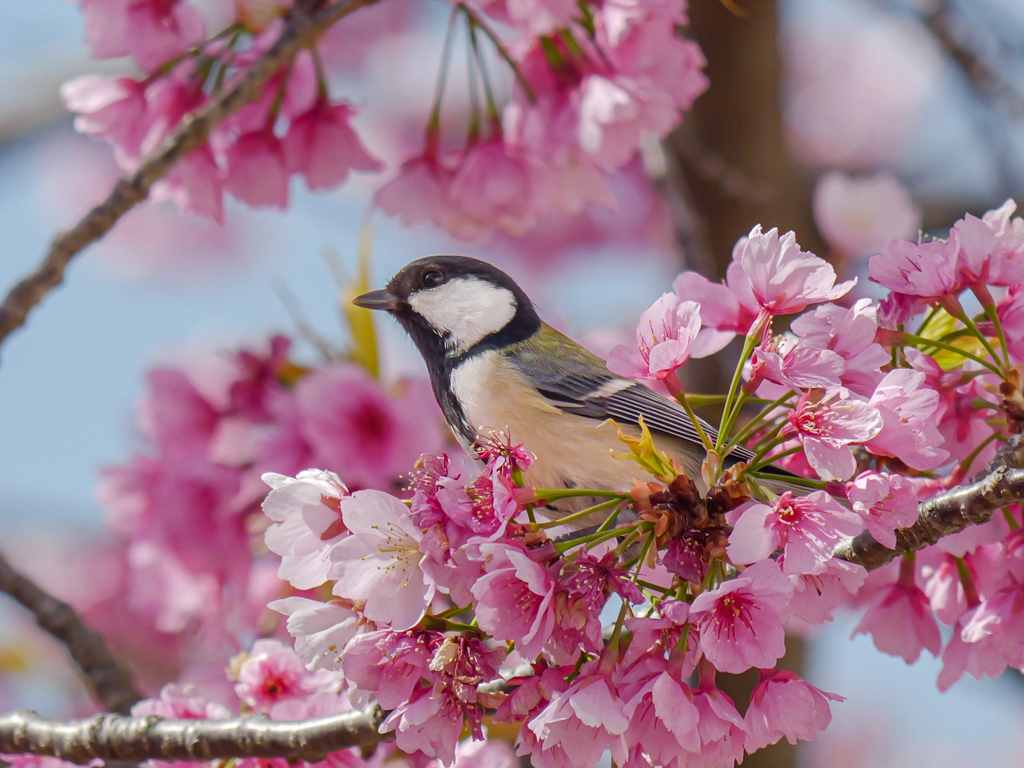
(302, 31)
(1001, 485)
(115, 737)
(111, 681)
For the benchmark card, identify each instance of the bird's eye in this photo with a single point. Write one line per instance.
(432, 278)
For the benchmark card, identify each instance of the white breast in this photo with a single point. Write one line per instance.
(571, 451)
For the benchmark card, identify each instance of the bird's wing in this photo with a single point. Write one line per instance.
(576, 381)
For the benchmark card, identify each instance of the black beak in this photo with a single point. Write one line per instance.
(377, 300)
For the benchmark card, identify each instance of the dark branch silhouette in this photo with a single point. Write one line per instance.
(111, 682)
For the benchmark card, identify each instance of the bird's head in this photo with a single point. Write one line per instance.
(453, 304)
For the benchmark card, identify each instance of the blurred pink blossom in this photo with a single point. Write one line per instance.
(663, 338)
(858, 215)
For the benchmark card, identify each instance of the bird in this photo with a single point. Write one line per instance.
(495, 366)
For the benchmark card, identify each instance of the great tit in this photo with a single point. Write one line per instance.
(496, 366)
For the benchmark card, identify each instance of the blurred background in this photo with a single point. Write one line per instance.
(848, 121)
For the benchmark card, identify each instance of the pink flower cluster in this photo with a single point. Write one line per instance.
(186, 508)
(405, 578)
(593, 78)
(292, 129)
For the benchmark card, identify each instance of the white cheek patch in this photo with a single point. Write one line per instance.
(466, 309)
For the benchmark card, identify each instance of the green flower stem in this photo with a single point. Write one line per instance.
(675, 388)
(990, 310)
(698, 400)
(653, 587)
(1010, 520)
(969, 322)
(562, 547)
(643, 555)
(609, 521)
(517, 479)
(732, 407)
(752, 465)
(931, 316)
(756, 422)
(921, 341)
(554, 494)
(804, 481)
(434, 124)
(582, 514)
(766, 460)
(492, 104)
(502, 51)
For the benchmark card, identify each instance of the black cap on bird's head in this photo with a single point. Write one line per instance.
(451, 305)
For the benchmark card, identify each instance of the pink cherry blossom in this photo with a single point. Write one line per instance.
(323, 147)
(168, 100)
(152, 31)
(981, 259)
(806, 528)
(984, 657)
(389, 665)
(111, 108)
(257, 172)
(271, 673)
(495, 187)
(615, 111)
(899, 619)
(663, 719)
(784, 279)
(593, 578)
(381, 561)
(180, 703)
(418, 194)
(740, 621)
(857, 216)
(484, 754)
(721, 727)
(1008, 229)
(533, 17)
(927, 269)
(827, 426)
(306, 515)
(321, 630)
(725, 309)
(577, 724)
(663, 338)
(885, 502)
(460, 665)
(515, 599)
(784, 705)
(786, 361)
(196, 184)
(531, 693)
(1011, 314)
(816, 596)
(359, 429)
(426, 723)
(176, 415)
(907, 407)
(850, 333)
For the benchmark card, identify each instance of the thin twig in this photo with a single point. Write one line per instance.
(111, 682)
(302, 31)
